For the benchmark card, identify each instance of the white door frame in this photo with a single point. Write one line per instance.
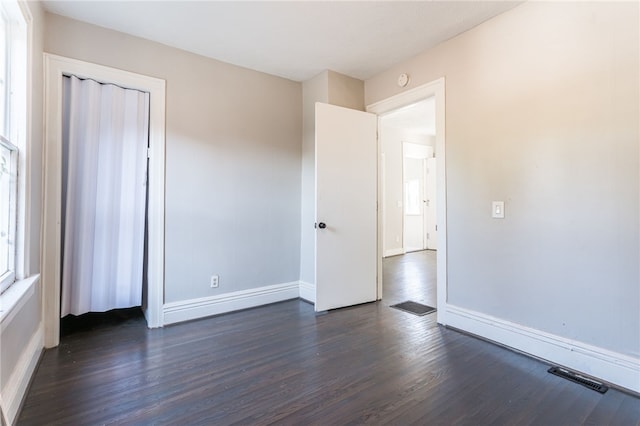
(435, 88)
(55, 68)
(428, 207)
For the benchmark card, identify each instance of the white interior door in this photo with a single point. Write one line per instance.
(430, 201)
(346, 233)
(414, 230)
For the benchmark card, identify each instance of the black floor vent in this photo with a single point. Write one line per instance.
(576, 378)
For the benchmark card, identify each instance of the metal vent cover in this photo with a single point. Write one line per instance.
(577, 378)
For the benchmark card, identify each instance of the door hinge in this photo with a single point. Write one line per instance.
(148, 152)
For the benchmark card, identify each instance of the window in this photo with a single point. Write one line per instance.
(8, 178)
(13, 112)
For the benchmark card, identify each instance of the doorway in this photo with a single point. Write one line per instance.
(104, 192)
(417, 117)
(408, 142)
(418, 194)
(55, 68)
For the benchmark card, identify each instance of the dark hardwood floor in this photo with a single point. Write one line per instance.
(282, 364)
(410, 277)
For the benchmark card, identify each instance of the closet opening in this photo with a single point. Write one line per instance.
(105, 140)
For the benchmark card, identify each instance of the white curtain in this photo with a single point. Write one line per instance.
(105, 138)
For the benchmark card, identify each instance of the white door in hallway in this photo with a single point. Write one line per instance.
(415, 206)
(346, 216)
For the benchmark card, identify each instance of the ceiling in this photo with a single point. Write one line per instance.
(292, 39)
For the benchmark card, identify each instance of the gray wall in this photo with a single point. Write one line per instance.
(345, 91)
(233, 147)
(542, 112)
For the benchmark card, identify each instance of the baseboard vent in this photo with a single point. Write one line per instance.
(576, 378)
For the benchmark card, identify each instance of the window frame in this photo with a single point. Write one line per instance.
(9, 276)
(14, 134)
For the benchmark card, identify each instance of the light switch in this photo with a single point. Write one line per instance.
(497, 209)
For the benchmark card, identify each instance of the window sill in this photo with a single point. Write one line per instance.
(15, 297)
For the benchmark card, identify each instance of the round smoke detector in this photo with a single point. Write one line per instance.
(403, 80)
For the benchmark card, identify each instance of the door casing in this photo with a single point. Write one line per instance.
(435, 88)
(430, 216)
(55, 68)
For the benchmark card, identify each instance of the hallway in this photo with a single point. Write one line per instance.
(411, 276)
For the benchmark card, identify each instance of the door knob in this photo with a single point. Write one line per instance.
(322, 225)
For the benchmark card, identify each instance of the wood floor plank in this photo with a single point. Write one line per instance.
(282, 364)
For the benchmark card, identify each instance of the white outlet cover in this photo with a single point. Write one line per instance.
(497, 209)
(215, 281)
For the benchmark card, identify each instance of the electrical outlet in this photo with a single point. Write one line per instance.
(215, 281)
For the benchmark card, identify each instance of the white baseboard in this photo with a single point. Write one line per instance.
(393, 252)
(615, 368)
(206, 306)
(308, 291)
(15, 389)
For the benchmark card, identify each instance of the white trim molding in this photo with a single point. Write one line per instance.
(185, 310)
(394, 252)
(15, 389)
(55, 68)
(308, 291)
(24, 224)
(612, 367)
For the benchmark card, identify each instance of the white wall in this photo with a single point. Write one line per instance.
(391, 139)
(542, 112)
(391, 148)
(233, 149)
